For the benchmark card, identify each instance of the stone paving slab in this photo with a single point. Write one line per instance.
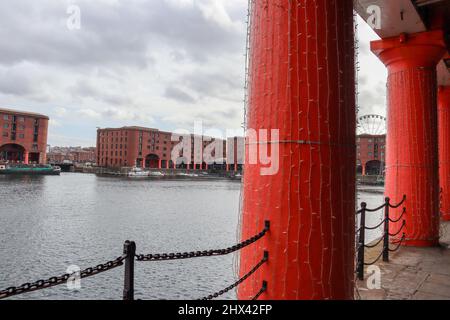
(412, 273)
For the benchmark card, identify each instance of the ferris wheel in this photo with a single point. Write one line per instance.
(372, 124)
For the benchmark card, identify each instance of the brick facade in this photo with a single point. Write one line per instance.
(23, 136)
(152, 148)
(370, 154)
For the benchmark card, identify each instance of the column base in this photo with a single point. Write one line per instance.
(421, 243)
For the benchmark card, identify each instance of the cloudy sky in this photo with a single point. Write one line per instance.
(155, 63)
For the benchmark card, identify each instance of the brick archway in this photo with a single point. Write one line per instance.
(374, 167)
(152, 161)
(12, 152)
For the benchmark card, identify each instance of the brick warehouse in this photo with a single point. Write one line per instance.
(152, 148)
(371, 154)
(23, 136)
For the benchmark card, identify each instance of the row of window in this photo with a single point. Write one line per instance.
(8, 117)
(113, 133)
(113, 162)
(106, 140)
(112, 146)
(6, 126)
(125, 133)
(117, 153)
(370, 146)
(20, 135)
(370, 154)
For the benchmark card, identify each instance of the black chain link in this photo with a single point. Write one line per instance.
(263, 289)
(206, 253)
(237, 283)
(399, 231)
(374, 261)
(54, 281)
(399, 243)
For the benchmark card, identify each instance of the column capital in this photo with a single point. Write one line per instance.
(423, 49)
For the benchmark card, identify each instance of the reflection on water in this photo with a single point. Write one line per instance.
(374, 198)
(48, 223)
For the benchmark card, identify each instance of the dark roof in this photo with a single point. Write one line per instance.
(23, 113)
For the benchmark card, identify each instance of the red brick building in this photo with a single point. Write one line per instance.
(23, 136)
(58, 155)
(152, 148)
(370, 154)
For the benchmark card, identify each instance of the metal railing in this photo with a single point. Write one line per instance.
(129, 258)
(361, 234)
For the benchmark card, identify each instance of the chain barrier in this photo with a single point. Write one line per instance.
(263, 289)
(206, 253)
(384, 238)
(399, 243)
(54, 281)
(128, 259)
(237, 283)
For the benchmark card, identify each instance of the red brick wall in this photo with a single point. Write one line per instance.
(370, 148)
(25, 126)
(120, 147)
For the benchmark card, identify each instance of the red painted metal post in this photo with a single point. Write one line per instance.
(412, 146)
(302, 82)
(444, 149)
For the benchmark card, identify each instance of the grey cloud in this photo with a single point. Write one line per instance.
(217, 85)
(372, 99)
(15, 84)
(114, 33)
(179, 95)
(84, 89)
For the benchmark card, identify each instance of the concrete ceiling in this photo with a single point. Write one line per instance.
(410, 16)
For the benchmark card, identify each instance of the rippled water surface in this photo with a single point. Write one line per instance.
(49, 223)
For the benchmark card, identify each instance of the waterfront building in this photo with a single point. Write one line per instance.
(151, 148)
(370, 154)
(23, 137)
(58, 155)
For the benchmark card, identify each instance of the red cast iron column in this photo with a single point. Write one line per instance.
(444, 149)
(412, 145)
(302, 82)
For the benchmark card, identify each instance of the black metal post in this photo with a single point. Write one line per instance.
(386, 231)
(129, 248)
(362, 235)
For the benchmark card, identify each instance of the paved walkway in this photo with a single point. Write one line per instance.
(412, 273)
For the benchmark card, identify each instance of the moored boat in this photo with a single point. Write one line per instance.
(25, 169)
(138, 173)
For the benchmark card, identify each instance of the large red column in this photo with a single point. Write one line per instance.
(444, 149)
(302, 82)
(26, 156)
(412, 146)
